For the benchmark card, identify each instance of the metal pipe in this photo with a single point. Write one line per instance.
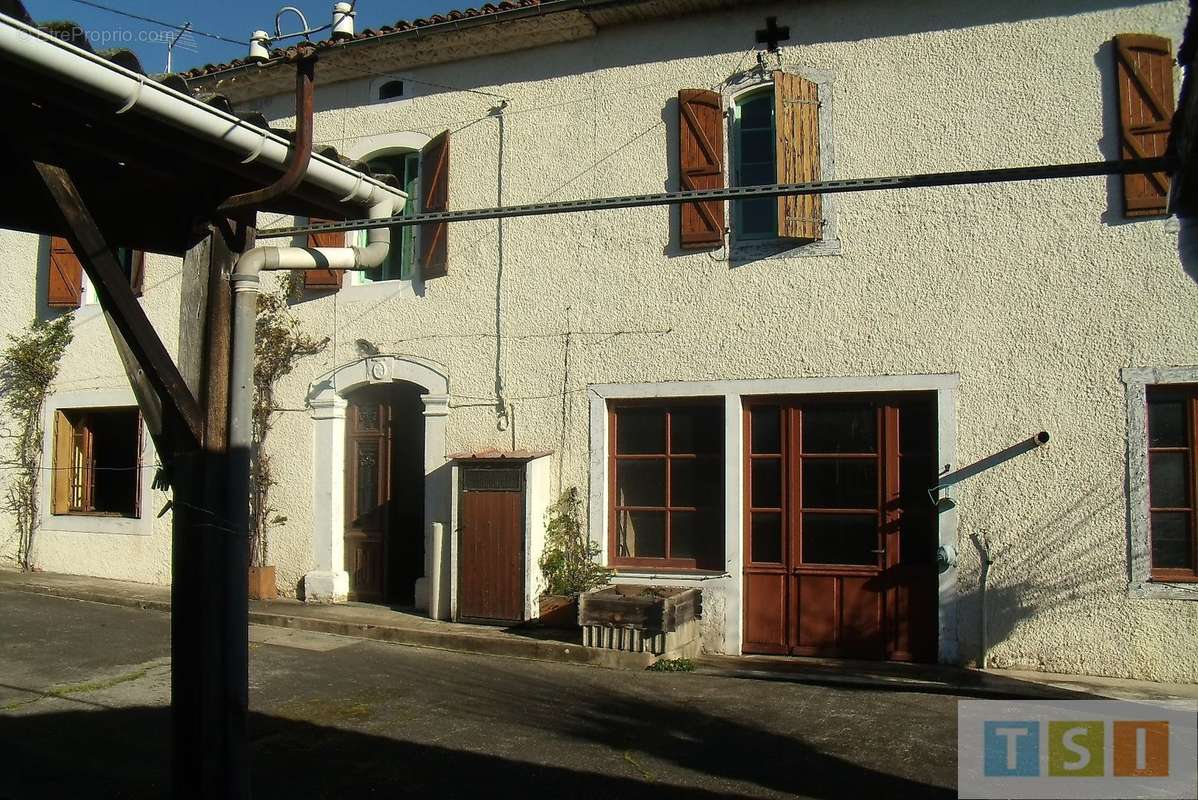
(1006, 454)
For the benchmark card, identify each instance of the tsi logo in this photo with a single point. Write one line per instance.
(1094, 748)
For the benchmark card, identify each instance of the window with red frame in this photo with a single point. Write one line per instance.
(667, 479)
(1172, 444)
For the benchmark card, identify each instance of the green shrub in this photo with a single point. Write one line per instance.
(570, 561)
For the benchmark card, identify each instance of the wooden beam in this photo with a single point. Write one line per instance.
(117, 298)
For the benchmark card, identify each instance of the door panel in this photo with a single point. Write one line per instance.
(836, 498)
(368, 496)
(491, 545)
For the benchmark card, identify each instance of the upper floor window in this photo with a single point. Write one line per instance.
(96, 460)
(401, 258)
(667, 475)
(1172, 444)
(390, 90)
(754, 164)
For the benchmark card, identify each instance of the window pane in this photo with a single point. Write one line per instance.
(840, 539)
(757, 217)
(1167, 421)
(758, 111)
(840, 483)
(641, 482)
(114, 456)
(696, 482)
(641, 534)
(757, 145)
(1167, 479)
(766, 482)
(368, 417)
(698, 535)
(698, 429)
(367, 479)
(640, 430)
(758, 174)
(1171, 547)
(840, 429)
(766, 426)
(765, 538)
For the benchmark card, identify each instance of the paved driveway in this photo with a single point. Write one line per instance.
(84, 691)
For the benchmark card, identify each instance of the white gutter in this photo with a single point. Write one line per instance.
(128, 90)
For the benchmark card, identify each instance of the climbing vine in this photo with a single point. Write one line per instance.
(570, 560)
(28, 366)
(280, 343)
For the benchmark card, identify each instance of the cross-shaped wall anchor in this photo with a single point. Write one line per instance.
(771, 34)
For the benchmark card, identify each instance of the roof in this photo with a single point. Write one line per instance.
(472, 32)
(145, 182)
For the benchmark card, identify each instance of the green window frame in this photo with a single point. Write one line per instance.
(754, 163)
(401, 260)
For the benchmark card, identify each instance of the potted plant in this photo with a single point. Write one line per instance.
(568, 563)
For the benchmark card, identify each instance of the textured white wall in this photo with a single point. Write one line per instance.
(1036, 294)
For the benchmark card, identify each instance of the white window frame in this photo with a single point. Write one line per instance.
(1139, 529)
(746, 250)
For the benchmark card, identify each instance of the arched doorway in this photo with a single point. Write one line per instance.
(415, 391)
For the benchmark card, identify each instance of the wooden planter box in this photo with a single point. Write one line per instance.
(663, 620)
(262, 583)
(558, 611)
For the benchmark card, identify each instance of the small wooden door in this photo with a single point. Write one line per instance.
(491, 543)
(368, 496)
(840, 534)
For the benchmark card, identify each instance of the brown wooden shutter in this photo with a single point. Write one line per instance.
(701, 166)
(60, 485)
(796, 153)
(434, 196)
(1144, 70)
(323, 279)
(137, 272)
(64, 286)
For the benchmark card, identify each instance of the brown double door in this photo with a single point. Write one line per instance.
(491, 543)
(840, 550)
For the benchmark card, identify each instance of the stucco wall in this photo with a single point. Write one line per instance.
(1034, 294)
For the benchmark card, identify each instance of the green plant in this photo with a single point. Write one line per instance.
(280, 342)
(569, 562)
(672, 665)
(27, 368)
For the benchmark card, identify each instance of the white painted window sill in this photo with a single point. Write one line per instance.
(378, 290)
(767, 249)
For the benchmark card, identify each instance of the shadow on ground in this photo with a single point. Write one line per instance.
(125, 754)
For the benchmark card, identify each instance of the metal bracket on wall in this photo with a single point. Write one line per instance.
(978, 467)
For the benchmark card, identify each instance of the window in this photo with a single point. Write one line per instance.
(753, 121)
(391, 90)
(402, 256)
(1172, 443)
(96, 460)
(667, 478)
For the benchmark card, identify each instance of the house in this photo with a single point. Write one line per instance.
(754, 397)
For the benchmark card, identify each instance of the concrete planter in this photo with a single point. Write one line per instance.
(662, 620)
(262, 583)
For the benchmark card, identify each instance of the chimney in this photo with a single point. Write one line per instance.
(343, 21)
(259, 46)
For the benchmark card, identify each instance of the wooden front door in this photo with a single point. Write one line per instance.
(368, 495)
(491, 543)
(840, 536)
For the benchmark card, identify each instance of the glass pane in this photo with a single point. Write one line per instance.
(765, 539)
(696, 482)
(1171, 546)
(756, 145)
(758, 111)
(766, 483)
(699, 429)
(840, 429)
(757, 217)
(698, 535)
(1167, 480)
(368, 418)
(640, 430)
(367, 497)
(641, 482)
(840, 483)
(1166, 421)
(766, 427)
(840, 539)
(641, 534)
(757, 174)
(917, 428)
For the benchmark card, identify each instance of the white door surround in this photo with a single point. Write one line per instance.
(328, 581)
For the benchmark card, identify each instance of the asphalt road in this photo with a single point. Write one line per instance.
(85, 691)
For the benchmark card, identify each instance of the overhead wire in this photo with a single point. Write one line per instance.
(163, 23)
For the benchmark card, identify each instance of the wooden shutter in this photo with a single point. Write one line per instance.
(1144, 70)
(701, 166)
(64, 286)
(434, 196)
(323, 279)
(63, 467)
(137, 272)
(796, 153)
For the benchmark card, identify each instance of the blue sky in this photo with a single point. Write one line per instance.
(232, 19)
